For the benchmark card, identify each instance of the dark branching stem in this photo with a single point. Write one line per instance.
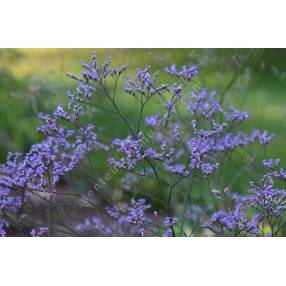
(122, 117)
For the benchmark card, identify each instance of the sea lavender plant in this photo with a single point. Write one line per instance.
(186, 140)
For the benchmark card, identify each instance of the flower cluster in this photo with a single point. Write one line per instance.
(9, 203)
(92, 81)
(201, 149)
(187, 72)
(255, 213)
(94, 225)
(41, 231)
(144, 84)
(132, 216)
(133, 219)
(40, 169)
(134, 153)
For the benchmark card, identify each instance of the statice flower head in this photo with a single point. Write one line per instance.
(90, 83)
(132, 151)
(204, 104)
(9, 203)
(152, 120)
(236, 115)
(40, 168)
(233, 221)
(271, 163)
(186, 72)
(263, 206)
(144, 84)
(58, 113)
(94, 71)
(264, 138)
(270, 201)
(132, 216)
(208, 168)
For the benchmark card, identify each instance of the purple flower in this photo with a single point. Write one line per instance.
(152, 120)
(94, 225)
(236, 115)
(144, 84)
(187, 72)
(263, 205)
(192, 134)
(270, 164)
(39, 231)
(132, 216)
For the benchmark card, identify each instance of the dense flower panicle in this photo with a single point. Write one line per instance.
(204, 104)
(144, 84)
(267, 199)
(9, 203)
(92, 81)
(85, 91)
(60, 113)
(98, 72)
(234, 221)
(201, 146)
(40, 169)
(264, 205)
(274, 169)
(133, 219)
(132, 151)
(132, 216)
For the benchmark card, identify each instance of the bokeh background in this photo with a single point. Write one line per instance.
(254, 80)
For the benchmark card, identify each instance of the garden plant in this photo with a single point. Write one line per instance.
(153, 173)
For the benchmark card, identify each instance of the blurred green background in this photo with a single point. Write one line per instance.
(254, 80)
